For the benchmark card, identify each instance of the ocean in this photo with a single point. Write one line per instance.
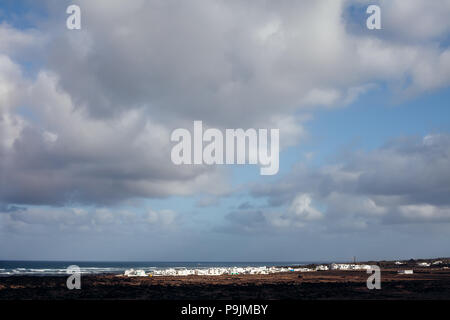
(52, 268)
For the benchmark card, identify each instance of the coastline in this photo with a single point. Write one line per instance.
(425, 283)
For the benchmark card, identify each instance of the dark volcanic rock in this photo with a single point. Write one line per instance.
(423, 284)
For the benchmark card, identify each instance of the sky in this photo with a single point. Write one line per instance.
(86, 118)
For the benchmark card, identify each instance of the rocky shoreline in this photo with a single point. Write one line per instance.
(425, 283)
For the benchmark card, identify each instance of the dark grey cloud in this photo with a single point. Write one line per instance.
(414, 170)
(10, 208)
(245, 221)
(245, 206)
(68, 157)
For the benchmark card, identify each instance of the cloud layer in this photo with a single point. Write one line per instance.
(406, 181)
(92, 125)
(86, 116)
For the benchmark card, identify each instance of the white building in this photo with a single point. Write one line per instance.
(322, 267)
(352, 266)
(216, 271)
(405, 272)
(424, 264)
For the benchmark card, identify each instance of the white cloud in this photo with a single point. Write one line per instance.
(405, 181)
(163, 217)
(267, 60)
(73, 219)
(18, 41)
(318, 97)
(417, 20)
(301, 208)
(424, 212)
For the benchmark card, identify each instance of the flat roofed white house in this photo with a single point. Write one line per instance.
(405, 271)
(424, 264)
